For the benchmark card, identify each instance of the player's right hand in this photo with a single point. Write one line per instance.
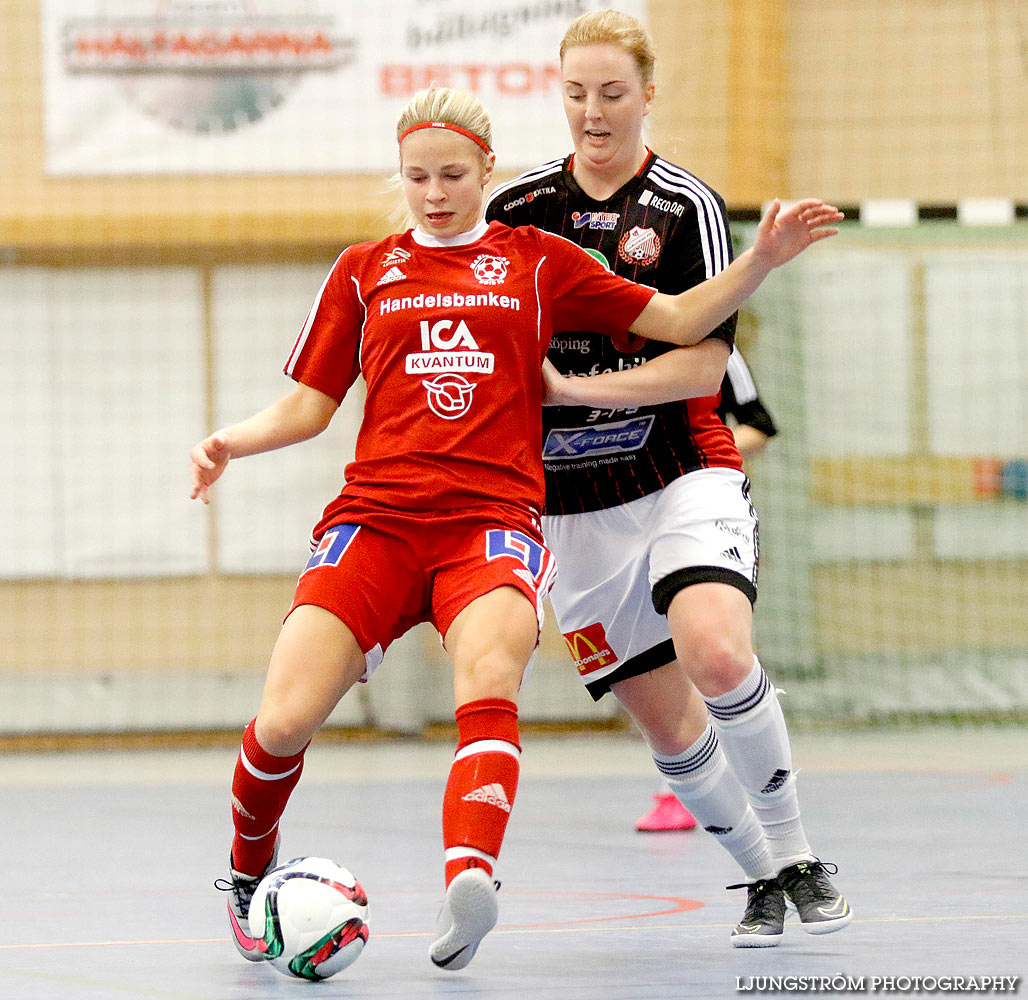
(207, 461)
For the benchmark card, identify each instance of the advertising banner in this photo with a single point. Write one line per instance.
(290, 86)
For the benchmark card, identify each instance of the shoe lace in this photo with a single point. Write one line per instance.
(810, 883)
(761, 886)
(760, 898)
(244, 888)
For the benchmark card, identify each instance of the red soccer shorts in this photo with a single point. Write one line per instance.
(384, 577)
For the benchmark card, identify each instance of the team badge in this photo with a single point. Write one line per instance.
(490, 270)
(639, 246)
(449, 396)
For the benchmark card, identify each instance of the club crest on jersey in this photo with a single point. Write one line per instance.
(490, 269)
(639, 246)
(449, 396)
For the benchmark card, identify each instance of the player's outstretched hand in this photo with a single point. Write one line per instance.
(783, 235)
(207, 461)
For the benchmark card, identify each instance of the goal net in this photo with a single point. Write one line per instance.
(894, 502)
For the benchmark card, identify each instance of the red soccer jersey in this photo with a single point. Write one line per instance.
(450, 336)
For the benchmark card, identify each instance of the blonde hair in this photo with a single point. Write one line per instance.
(439, 104)
(613, 27)
(454, 107)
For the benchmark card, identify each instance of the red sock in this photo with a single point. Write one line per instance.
(261, 787)
(483, 781)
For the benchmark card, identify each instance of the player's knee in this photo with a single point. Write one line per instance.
(282, 733)
(719, 665)
(668, 734)
(494, 674)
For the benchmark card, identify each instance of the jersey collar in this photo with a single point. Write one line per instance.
(569, 178)
(472, 235)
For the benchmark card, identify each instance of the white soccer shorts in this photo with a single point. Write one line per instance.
(620, 568)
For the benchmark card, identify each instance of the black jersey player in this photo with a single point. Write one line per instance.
(647, 507)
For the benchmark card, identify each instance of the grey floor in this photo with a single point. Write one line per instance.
(110, 858)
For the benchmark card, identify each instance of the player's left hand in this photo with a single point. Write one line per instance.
(783, 235)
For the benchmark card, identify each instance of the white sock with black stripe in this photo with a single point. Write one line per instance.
(752, 728)
(705, 785)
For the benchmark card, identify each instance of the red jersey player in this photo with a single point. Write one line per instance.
(438, 520)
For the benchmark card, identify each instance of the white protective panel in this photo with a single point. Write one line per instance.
(855, 316)
(28, 532)
(976, 314)
(130, 399)
(861, 534)
(267, 505)
(982, 531)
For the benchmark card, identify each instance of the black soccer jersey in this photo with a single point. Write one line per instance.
(664, 228)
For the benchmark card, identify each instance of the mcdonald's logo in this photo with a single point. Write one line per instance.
(589, 648)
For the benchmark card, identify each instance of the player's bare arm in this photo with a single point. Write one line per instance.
(684, 373)
(297, 416)
(687, 318)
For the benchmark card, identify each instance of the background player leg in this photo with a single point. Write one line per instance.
(686, 750)
(652, 699)
(711, 624)
(490, 642)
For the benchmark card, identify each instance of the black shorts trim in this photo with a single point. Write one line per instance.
(643, 663)
(665, 590)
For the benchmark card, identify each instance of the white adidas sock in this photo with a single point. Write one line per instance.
(752, 728)
(704, 784)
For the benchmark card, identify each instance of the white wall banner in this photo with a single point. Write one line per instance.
(290, 86)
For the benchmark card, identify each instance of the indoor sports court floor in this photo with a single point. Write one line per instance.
(110, 859)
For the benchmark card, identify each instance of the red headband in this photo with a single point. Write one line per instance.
(453, 128)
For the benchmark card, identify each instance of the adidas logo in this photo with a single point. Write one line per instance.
(393, 274)
(719, 831)
(491, 795)
(732, 553)
(778, 779)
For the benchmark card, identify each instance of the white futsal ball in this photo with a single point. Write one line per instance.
(310, 917)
